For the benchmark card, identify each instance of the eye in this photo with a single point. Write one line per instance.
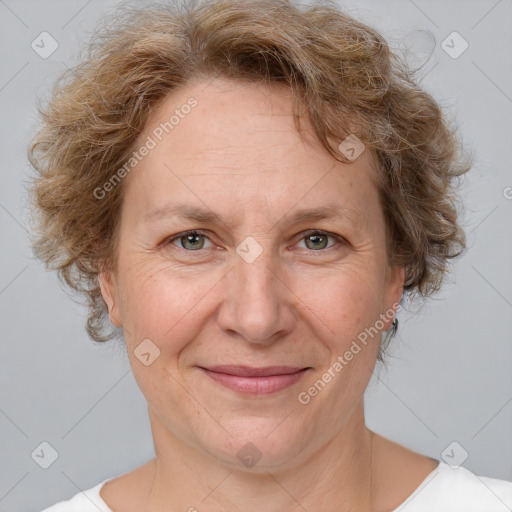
(190, 241)
(194, 241)
(318, 240)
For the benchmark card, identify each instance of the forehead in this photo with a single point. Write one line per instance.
(239, 144)
(235, 116)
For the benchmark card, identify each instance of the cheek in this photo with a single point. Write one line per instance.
(342, 303)
(349, 305)
(159, 304)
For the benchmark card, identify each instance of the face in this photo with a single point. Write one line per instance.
(259, 283)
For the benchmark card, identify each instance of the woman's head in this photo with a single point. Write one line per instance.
(253, 286)
(230, 119)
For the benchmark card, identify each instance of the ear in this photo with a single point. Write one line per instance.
(109, 292)
(394, 292)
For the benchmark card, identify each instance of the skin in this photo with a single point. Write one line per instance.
(239, 154)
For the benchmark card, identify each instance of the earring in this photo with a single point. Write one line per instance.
(390, 333)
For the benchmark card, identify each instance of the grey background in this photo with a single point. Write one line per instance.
(448, 378)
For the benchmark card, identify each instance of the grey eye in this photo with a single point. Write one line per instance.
(316, 241)
(192, 241)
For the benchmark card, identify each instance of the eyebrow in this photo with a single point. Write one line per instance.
(206, 216)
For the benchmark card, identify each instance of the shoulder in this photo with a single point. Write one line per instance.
(127, 491)
(451, 489)
(84, 501)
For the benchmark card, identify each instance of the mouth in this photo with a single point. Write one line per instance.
(255, 381)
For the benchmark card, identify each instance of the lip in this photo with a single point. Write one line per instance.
(255, 381)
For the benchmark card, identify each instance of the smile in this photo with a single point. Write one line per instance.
(255, 381)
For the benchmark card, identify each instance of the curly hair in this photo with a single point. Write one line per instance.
(339, 71)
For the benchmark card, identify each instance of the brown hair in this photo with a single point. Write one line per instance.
(338, 69)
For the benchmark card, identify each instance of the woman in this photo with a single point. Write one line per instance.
(247, 190)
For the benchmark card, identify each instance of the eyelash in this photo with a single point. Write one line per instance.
(307, 233)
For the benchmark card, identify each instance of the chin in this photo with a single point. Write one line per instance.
(258, 444)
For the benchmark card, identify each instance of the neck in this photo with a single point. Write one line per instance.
(338, 476)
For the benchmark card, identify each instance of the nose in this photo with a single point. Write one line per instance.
(258, 305)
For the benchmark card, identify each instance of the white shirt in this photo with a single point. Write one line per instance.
(445, 489)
